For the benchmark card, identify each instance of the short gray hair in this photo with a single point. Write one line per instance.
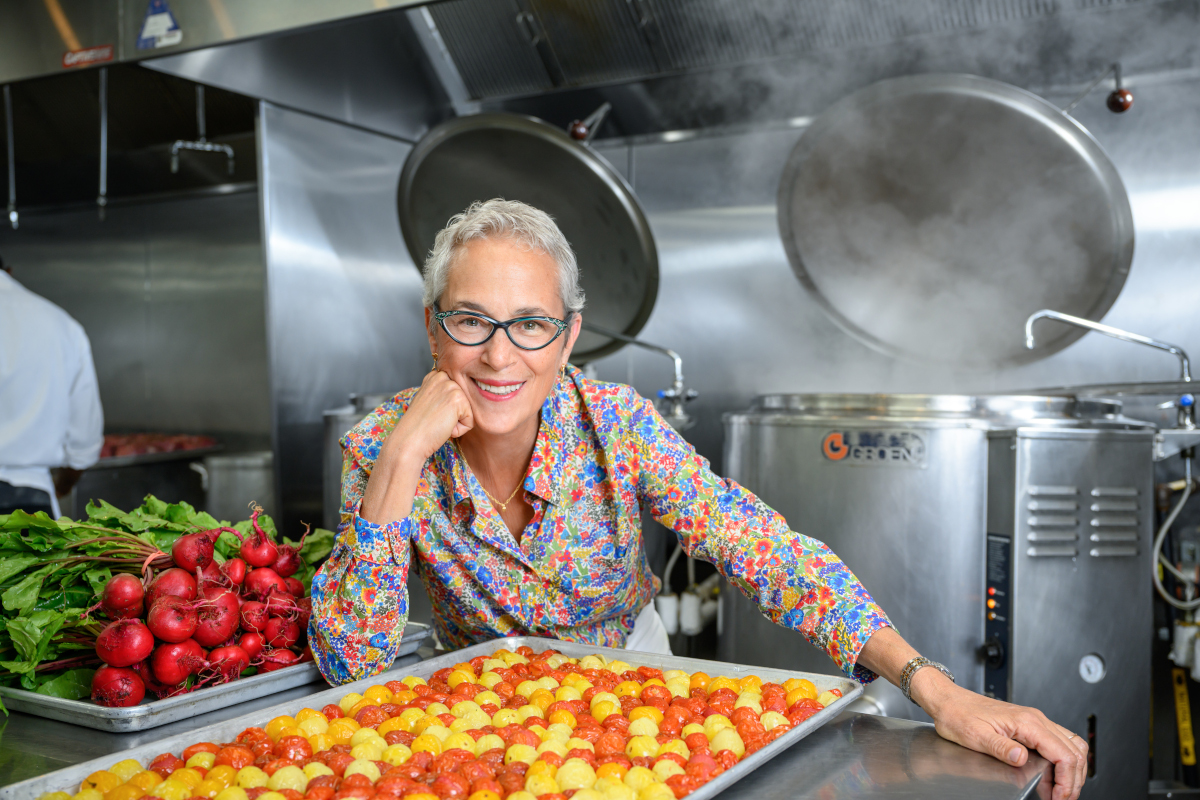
(509, 219)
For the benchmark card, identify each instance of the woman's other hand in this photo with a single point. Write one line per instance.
(1002, 730)
(989, 726)
(438, 412)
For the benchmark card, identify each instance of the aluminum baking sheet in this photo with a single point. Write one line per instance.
(68, 779)
(151, 714)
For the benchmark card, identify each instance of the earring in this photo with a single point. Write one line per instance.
(435, 358)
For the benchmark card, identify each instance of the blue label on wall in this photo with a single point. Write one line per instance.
(159, 28)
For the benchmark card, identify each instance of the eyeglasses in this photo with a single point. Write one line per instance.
(527, 333)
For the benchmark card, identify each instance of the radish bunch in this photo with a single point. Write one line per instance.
(197, 623)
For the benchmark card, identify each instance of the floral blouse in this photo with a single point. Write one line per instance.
(579, 572)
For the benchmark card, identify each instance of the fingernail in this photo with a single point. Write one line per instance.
(1014, 755)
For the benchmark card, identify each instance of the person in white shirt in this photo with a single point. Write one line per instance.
(50, 414)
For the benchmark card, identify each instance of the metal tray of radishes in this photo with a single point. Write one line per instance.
(152, 713)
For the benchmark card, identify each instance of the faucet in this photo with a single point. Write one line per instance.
(1185, 372)
(676, 394)
(1186, 405)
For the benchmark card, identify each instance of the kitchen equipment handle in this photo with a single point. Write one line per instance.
(202, 471)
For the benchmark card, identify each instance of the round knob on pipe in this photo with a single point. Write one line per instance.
(579, 130)
(1119, 101)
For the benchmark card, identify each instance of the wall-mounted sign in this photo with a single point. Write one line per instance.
(159, 28)
(88, 55)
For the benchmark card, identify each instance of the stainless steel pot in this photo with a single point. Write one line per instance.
(927, 498)
(233, 482)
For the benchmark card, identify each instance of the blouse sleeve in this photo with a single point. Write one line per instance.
(360, 594)
(795, 580)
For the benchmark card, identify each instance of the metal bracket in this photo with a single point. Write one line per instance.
(1173, 441)
(202, 144)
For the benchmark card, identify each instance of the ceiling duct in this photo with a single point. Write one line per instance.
(510, 48)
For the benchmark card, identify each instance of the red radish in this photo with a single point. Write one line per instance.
(142, 668)
(194, 551)
(295, 588)
(122, 591)
(281, 604)
(281, 632)
(124, 643)
(211, 576)
(306, 654)
(172, 619)
(126, 612)
(217, 619)
(277, 659)
(254, 616)
(258, 550)
(253, 643)
(229, 662)
(117, 688)
(304, 606)
(172, 581)
(173, 663)
(288, 560)
(235, 570)
(261, 581)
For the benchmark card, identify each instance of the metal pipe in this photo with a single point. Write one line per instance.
(677, 395)
(102, 198)
(12, 157)
(201, 122)
(1184, 365)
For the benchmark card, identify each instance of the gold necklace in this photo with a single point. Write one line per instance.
(495, 502)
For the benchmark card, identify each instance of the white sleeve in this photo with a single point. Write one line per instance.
(85, 417)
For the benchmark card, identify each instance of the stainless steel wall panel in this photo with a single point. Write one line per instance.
(171, 296)
(344, 299)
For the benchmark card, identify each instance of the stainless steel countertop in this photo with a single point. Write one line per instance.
(856, 755)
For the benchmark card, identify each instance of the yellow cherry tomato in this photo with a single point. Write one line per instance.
(315, 769)
(641, 746)
(125, 769)
(248, 778)
(427, 743)
(728, 739)
(363, 767)
(102, 780)
(488, 742)
(276, 726)
(380, 694)
(397, 754)
(291, 777)
(231, 793)
(311, 726)
(642, 712)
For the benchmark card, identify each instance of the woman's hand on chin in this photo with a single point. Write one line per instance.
(439, 412)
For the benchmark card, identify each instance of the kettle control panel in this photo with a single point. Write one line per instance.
(997, 617)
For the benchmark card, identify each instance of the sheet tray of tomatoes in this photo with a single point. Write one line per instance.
(344, 744)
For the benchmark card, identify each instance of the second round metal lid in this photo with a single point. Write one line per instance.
(521, 158)
(931, 214)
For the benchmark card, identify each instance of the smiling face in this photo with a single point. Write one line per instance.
(505, 385)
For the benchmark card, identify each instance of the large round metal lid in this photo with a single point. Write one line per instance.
(483, 156)
(931, 214)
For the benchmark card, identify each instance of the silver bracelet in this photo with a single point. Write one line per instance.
(910, 669)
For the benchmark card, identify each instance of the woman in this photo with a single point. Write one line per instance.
(517, 485)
